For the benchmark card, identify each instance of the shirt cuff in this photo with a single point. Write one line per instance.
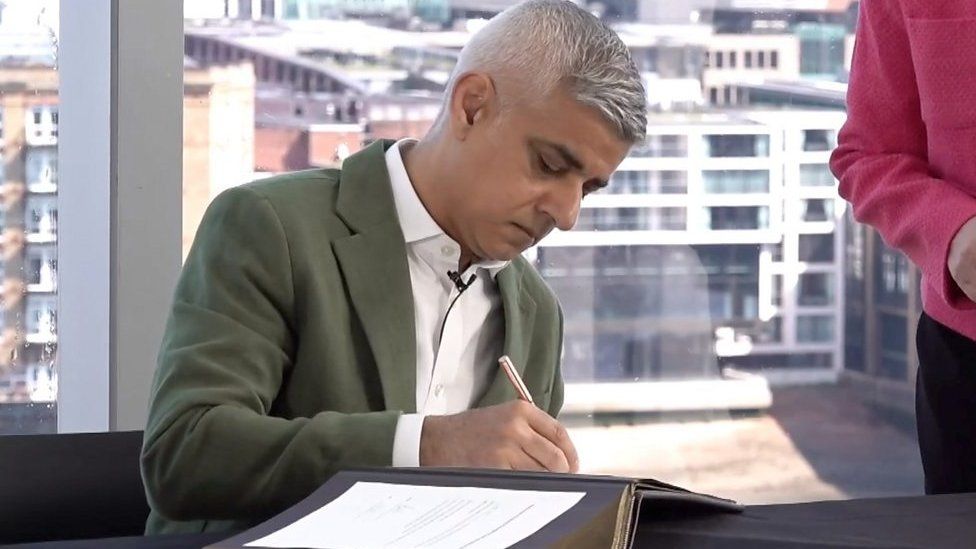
(406, 441)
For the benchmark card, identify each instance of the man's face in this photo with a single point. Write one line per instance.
(526, 171)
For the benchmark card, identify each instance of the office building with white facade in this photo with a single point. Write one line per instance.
(28, 237)
(716, 245)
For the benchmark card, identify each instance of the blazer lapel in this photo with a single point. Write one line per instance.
(373, 261)
(519, 310)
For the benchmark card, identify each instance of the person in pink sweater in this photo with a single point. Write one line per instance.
(906, 161)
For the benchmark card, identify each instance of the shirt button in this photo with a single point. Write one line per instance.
(447, 250)
(438, 390)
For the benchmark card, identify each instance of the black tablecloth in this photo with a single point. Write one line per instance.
(924, 522)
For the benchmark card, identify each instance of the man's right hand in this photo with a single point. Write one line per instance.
(962, 259)
(514, 435)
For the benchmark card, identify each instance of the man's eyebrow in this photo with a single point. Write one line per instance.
(568, 157)
(563, 150)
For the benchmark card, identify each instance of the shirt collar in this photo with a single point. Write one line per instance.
(415, 221)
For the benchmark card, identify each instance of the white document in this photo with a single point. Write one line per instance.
(373, 515)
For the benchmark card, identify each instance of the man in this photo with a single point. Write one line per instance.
(905, 161)
(316, 326)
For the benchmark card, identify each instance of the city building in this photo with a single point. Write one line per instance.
(218, 153)
(403, 11)
(715, 251)
(28, 238)
(716, 245)
(717, 248)
(882, 300)
(750, 47)
(295, 131)
(882, 306)
(218, 135)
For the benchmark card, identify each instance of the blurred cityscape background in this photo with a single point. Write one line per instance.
(729, 327)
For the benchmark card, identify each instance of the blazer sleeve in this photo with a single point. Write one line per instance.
(882, 155)
(211, 449)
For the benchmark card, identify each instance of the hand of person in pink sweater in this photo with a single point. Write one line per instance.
(962, 259)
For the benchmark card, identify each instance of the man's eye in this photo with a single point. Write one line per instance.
(546, 168)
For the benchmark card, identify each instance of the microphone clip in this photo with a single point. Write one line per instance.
(459, 282)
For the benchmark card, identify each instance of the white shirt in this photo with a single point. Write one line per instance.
(453, 371)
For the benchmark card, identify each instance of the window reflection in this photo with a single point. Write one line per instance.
(719, 247)
(29, 125)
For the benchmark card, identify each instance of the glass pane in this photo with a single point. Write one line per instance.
(667, 146)
(694, 265)
(814, 329)
(816, 248)
(631, 219)
(819, 140)
(736, 218)
(28, 216)
(816, 289)
(720, 146)
(816, 175)
(736, 181)
(818, 209)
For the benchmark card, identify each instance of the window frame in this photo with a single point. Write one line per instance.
(119, 200)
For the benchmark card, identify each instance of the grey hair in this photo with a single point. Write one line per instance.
(547, 44)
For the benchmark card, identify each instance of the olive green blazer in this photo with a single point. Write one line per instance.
(289, 353)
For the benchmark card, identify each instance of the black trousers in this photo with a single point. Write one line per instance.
(945, 408)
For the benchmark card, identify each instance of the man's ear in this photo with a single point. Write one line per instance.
(472, 103)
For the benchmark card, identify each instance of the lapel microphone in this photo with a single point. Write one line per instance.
(459, 283)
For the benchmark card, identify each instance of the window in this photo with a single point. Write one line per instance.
(894, 346)
(42, 317)
(41, 218)
(817, 248)
(733, 283)
(666, 146)
(41, 128)
(670, 219)
(42, 269)
(670, 182)
(816, 290)
(770, 331)
(631, 219)
(720, 146)
(792, 361)
(818, 209)
(42, 169)
(777, 290)
(819, 140)
(737, 218)
(892, 282)
(822, 48)
(28, 222)
(660, 280)
(736, 181)
(816, 175)
(629, 182)
(815, 329)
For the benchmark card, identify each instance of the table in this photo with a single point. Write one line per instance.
(922, 522)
